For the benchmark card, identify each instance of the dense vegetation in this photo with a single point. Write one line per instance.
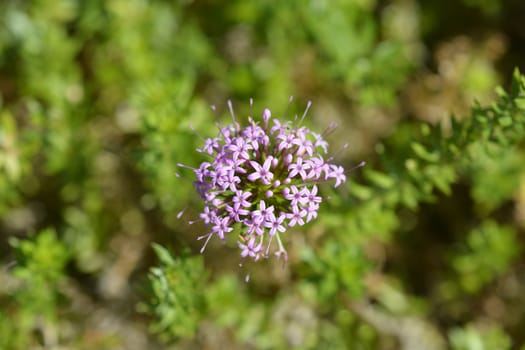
(421, 249)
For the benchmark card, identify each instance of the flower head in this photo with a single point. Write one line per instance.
(262, 179)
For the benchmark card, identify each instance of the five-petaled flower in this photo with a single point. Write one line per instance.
(261, 171)
(261, 180)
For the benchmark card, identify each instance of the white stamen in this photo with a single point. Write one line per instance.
(308, 105)
(180, 213)
(362, 164)
(268, 247)
(230, 107)
(205, 243)
(214, 109)
(197, 133)
(180, 165)
(287, 108)
(330, 129)
(345, 146)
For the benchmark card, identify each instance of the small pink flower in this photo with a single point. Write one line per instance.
(250, 249)
(275, 224)
(261, 172)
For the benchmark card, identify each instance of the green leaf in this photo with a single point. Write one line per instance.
(380, 179)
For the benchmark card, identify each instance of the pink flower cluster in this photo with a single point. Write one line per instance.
(262, 179)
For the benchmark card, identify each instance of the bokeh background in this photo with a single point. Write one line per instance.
(422, 249)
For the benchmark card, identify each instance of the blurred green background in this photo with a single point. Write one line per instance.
(422, 249)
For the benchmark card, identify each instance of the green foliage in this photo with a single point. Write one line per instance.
(40, 263)
(487, 7)
(100, 100)
(176, 305)
(489, 240)
(472, 338)
(39, 272)
(334, 267)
